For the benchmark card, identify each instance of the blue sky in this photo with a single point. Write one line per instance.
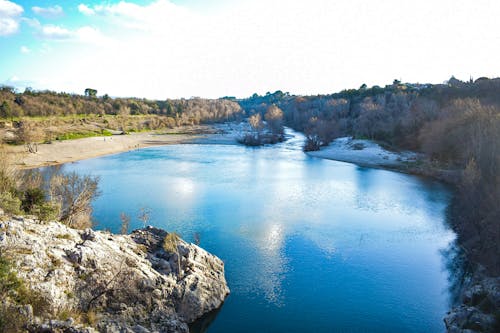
(184, 48)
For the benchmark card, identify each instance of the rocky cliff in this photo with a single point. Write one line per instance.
(86, 281)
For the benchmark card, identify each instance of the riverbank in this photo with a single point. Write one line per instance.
(364, 153)
(60, 152)
(367, 153)
(361, 152)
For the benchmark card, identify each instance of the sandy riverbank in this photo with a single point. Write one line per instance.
(59, 152)
(364, 153)
(361, 152)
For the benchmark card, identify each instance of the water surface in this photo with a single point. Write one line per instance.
(310, 245)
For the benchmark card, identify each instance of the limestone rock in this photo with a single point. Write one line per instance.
(123, 283)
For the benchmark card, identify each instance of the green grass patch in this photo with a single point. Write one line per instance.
(81, 135)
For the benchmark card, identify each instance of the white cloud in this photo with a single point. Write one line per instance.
(91, 35)
(9, 8)
(316, 46)
(48, 12)
(158, 14)
(55, 32)
(82, 8)
(85, 34)
(25, 50)
(9, 17)
(51, 32)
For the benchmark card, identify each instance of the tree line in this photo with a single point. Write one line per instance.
(31, 103)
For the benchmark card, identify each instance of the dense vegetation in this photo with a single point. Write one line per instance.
(37, 116)
(456, 125)
(48, 103)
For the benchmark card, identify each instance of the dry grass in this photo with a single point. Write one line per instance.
(64, 236)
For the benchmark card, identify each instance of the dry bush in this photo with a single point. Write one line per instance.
(30, 134)
(9, 172)
(74, 193)
(125, 223)
(255, 121)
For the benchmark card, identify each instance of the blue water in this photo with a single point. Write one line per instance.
(309, 245)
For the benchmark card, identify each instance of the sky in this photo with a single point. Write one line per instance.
(212, 48)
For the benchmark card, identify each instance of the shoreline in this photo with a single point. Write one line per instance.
(369, 154)
(364, 153)
(67, 151)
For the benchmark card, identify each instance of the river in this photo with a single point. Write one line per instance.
(309, 245)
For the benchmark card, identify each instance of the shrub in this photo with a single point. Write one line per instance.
(14, 288)
(312, 143)
(48, 211)
(74, 194)
(32, 197)
(8, 172)
(10, 203)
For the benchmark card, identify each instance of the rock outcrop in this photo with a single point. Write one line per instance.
(480, 308)
(89, 280)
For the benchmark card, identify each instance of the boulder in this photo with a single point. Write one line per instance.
(115, 283)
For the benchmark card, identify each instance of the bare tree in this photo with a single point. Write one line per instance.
(274, 119)
(144, 215)
(255, 121)
(30, 135)
(125, 223)
(75, 194)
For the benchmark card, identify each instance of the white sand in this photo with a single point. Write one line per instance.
(363, 152)
(60, 152)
